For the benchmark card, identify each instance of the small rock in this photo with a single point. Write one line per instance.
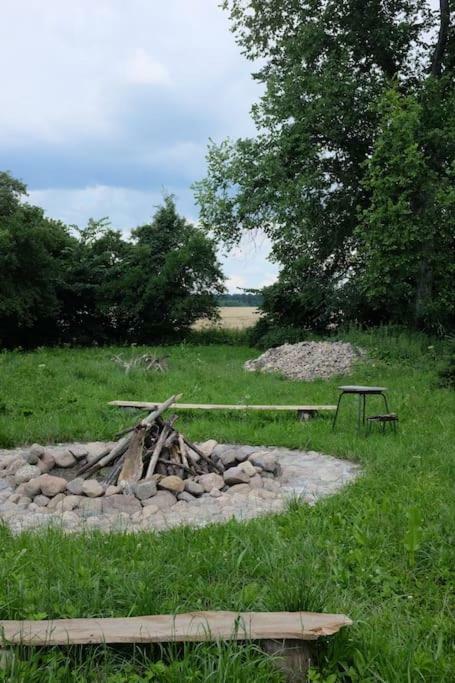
(70, 520)
(41, 500)
(243, 452)
(211, 481)
(37, 449)
(229, 458)
(234, 475)
(248, 468)
(239, 488)
(112, 490)
(15, 465)
(207, 447)
(33, 507)
(89, 507)
(266, 461)
(187, 497)
(215, 493)
(193, 487)
(172, 483)
(78, 451)
(33, 487)
(30, 457)
(46, 462)
(163, 500)
(63, 458)
(75, 486)
(24, 502)
(145, 489)
(256, 482)
(26, 473)
(14, 498)
(120, 502)
(150, 510)
(92, 488)
(51, 486)
(71, 502)
(52, 505)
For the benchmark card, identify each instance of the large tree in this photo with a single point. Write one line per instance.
(325, 66)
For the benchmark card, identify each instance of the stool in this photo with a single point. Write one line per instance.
(388, 418)
(362, 392)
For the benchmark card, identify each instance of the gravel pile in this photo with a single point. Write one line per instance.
(308, 360)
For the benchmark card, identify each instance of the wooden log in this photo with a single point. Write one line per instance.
(132, 467)
(191, 627)
(148, 405)
(157, 450)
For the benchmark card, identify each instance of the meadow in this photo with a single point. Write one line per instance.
(380, 551)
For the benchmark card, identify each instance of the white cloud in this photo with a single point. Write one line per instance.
(142, 69)
(235, 282)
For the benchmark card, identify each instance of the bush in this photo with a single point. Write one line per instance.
(265, 336)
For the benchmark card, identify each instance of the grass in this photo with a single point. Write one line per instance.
(381, 550)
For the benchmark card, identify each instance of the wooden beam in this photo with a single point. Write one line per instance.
(194, 626)
(147, 405)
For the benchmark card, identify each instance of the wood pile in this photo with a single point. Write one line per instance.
(152, 448)
(147, 361)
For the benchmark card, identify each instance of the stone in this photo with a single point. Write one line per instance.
(15, 465)
(30, 458)
(71, 502)
(70, 520)
(25, 473)
(163, 500)
(32, 487)
(75, 486)
(14, 498)
(63, 458)
(211, 481)
(234, 475)
(52, 504)
(41, 500)
(149, 511)
(248, 468)
(24, 502)
(244, 451)
(256, 482)
(239, 488)
(265, 460)
(187, 497)
(37, 449)
(120, 502)
(46, 462)
(79, 451)
(207, 447)
(112, 490)
(33, 507)
(89, 507)
(51, 486)
(229, 458)
(193, 487)
(92, 488)
(172, 483)
(215, 493)
(145, 489)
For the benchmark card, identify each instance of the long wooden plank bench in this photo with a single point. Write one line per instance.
(303, 411)
(190, 627)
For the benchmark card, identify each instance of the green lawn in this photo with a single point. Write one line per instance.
(381, 551)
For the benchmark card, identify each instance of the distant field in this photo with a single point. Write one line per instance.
(232, 317)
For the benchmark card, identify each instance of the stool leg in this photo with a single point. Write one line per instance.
(385, 401)
(336, 413)
(359, 413)
(364, 407)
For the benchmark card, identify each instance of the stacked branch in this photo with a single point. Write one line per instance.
(151, 447)
(146, 361)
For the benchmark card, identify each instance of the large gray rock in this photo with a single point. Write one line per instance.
(92, 488)
(75, 486)
(145, 489)
(244, 451)
(25, 473)
(54, 503)
(121, 503)
(207, 447)
(248, 468)
(187, 497)
(34, 453)
(71, 502)
(51, 486)
(63, 458)
(79, 451)
(234, 475)
(211, 481)
(89, 507)
(41, 500)
(172, 483)
(193, 487)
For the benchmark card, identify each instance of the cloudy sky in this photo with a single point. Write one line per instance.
(106, 104)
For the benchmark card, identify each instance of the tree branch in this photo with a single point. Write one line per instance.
(444, 21)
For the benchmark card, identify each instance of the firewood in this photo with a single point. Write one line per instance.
(132, 467)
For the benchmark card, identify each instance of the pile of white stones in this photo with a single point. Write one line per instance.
(308, 360)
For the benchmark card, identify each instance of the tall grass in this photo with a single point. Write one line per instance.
(380, 551)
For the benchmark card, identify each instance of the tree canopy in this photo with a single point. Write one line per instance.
(307, 178)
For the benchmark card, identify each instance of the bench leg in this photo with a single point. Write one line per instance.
(336, 412)
(292, 657)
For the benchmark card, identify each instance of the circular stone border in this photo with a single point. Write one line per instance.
(306, 475)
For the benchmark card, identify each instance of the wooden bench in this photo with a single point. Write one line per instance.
(304, 412)
(282, 634)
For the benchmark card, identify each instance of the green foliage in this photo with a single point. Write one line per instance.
(92, 285)
(305, 179)
(380, 551)
(246, 299)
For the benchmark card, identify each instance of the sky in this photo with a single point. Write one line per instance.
(108, 104)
